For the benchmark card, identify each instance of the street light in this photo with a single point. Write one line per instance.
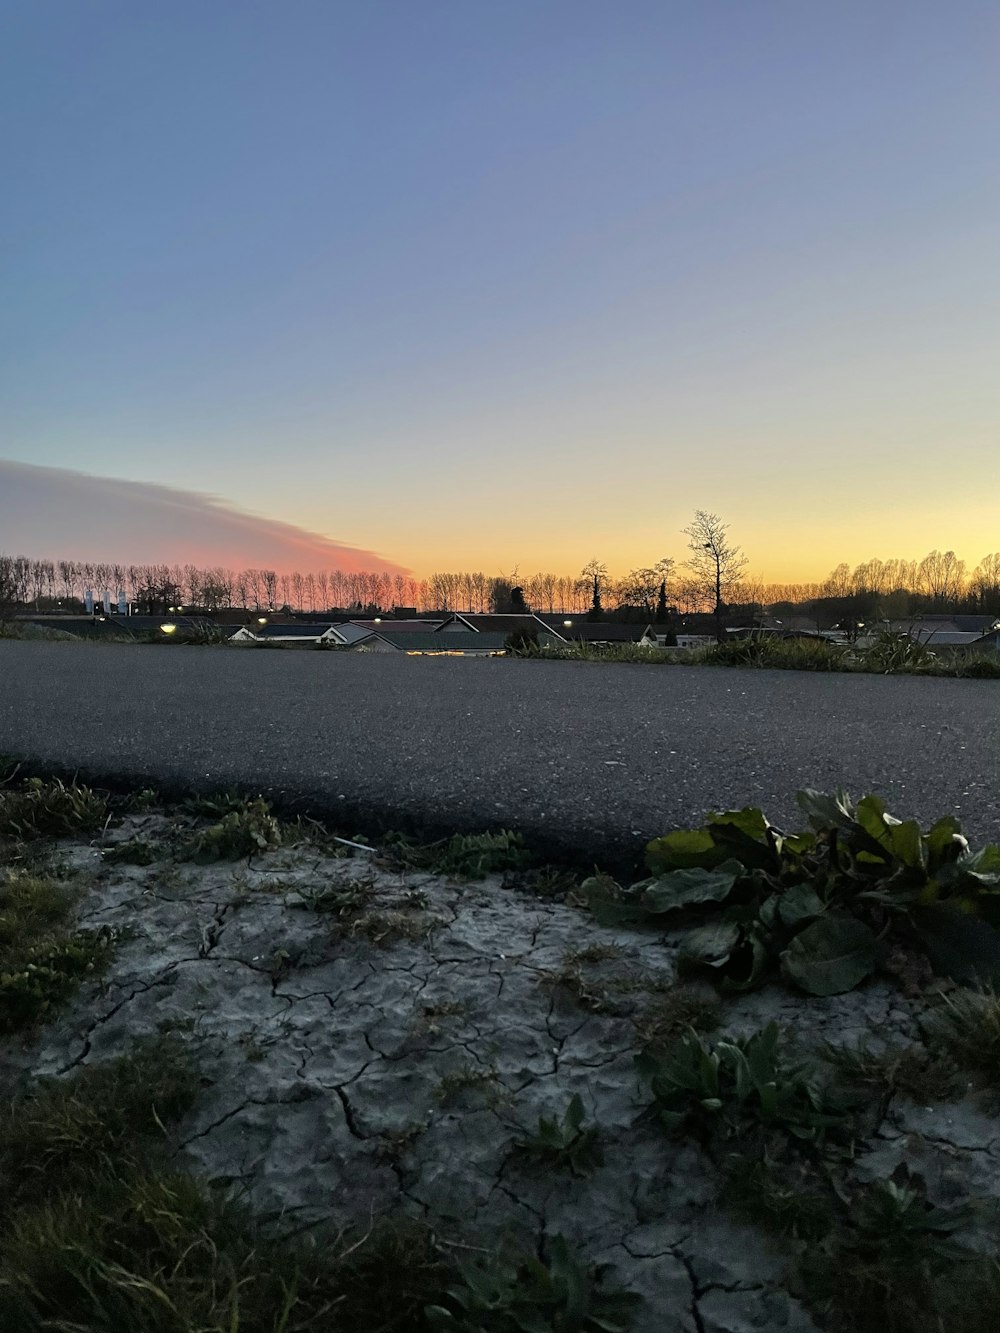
(168, 628)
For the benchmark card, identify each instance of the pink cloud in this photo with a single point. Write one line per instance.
(56, 513)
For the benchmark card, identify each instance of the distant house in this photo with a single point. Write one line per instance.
(463, 621)
(920, 627)
(417, 625)
(987, 643)
(604, 633)
(467, 644)
(302, 636)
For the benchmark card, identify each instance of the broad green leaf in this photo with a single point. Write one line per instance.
(944, 840)
(744, 834)
(826, 812)
(796, 844)
(711, 945)
(750, 820)
(901, 841)
(767, 913)
(799, 904)
(983, 865)
(574, 1113)
(908, 845)
(965, 948)
(684, 888)
(682, 850)
(831, 956)
(747, 965)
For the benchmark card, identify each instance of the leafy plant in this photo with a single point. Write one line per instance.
(897, 1263)
(732, 1085)
(554, 1295)
(819, 904)
(244, 831)
(889, 652)
(564, 1142)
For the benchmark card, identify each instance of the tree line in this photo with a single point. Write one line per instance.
(714, 577)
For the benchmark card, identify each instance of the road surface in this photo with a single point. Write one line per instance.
(588, 759)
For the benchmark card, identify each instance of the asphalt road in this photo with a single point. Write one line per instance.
(586, 758)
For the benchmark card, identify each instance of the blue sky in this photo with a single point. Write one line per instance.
(481, 283)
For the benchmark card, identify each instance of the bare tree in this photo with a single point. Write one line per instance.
(985, 583)
(715, 564)
(941, 576)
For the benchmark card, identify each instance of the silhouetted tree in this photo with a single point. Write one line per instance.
(715, 564)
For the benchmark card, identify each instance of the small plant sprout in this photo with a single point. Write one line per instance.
(558, 1294)
(566, 1142)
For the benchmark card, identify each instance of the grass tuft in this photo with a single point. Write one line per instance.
(42, 960)
(966, 1029)
(36, 809)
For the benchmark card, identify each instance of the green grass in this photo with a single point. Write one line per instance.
(43, 959)
(36, 809)
(677, 1011)
(966, 1029)
(99, 1233)
(776, 654)
(915, 1071)
(463, 856)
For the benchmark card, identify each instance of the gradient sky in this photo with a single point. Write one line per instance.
(476, 283)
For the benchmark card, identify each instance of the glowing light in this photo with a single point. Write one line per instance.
(567, 623)
(168, 628)
(262, 620)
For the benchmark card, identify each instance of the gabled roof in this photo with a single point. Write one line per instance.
(946, 638)
(270, 631)
(390, 626)
(498, 624)
(605, 631)
(351, 632)
(442, 643)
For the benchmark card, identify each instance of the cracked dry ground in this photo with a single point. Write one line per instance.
(351, 1071)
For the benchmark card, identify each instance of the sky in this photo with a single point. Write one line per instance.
(469, 284)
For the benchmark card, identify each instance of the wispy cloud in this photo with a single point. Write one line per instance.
(59, 513)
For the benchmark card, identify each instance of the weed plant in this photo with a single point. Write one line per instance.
(564, 1143)
(553, 1294)
(730, 1087)
(826, 906)
(244, 830)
